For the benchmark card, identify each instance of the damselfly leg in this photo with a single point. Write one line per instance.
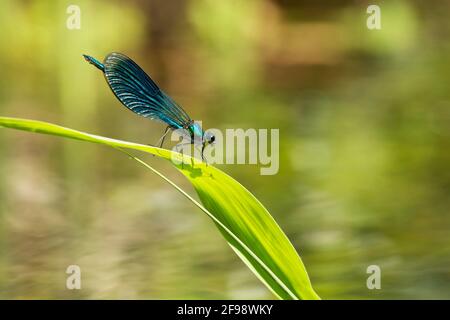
(161, 140)
(182, 154)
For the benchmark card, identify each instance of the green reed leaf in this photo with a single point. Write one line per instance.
(243, 221)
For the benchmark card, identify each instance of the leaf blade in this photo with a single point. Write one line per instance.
(244, 222)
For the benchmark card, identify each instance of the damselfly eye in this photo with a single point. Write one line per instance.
(209, 138)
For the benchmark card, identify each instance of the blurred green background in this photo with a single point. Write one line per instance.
(364, 129)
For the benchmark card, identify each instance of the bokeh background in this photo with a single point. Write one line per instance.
(364, 128)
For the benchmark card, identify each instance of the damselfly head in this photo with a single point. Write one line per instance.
(208, 138)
